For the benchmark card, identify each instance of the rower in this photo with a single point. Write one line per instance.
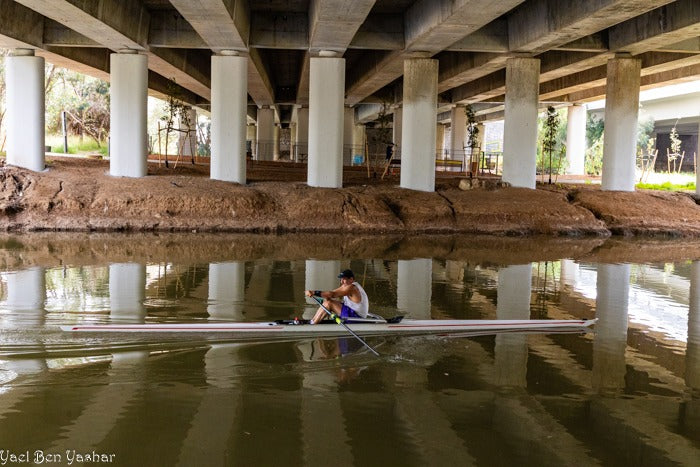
(354, 304)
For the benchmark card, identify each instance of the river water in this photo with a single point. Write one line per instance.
(626, 394)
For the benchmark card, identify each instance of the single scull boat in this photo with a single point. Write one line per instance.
(293, 328)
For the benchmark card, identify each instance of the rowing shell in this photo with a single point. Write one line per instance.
(290, 329)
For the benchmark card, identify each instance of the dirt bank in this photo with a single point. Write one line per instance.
(79, 195)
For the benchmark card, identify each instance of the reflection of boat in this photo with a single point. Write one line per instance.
(397, 325)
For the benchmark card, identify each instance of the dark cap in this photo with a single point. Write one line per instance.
(346, 274)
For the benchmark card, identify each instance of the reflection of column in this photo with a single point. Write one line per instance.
(414, 286)
(569, 272)
(320, 275)
(220, 402)
(127, 290)
(692, 354)
(105, 408)
(610, 339)
(322, 419)
(514, 290)
(26, 290)
(226, 290)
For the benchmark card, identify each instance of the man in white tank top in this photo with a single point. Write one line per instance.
(354, 299)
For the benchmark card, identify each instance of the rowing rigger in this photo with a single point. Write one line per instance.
(293, 328)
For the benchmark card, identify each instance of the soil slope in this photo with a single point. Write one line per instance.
(79, 195)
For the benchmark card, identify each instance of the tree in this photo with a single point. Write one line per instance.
(549, 140)
(176, 109)
(472, 135)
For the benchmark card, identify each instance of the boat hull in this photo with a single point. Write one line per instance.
(404, 327)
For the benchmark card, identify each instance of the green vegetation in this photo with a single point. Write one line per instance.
(667, 186)
(75, 146)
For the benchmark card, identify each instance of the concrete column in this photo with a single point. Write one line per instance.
(514, 291)
(440, 140)
(251, 135)
(419, 120)
(458, 135)
(414, 286)
(226, 290)
(188, 134)
(266, 133)
(397, 126)
(26, 290)
(697, 172)
(692, 352)
(128, 114)
(127, 290)
(302, 152)
(24, 74)
(576, 139)
(621, 110)
(320, 275)
(358, 139)
(229, 98)
(326, 95)
(520, 128)
(610, 339)
(348, 136)
(276, 143)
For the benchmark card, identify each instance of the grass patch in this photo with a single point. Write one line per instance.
(667, 186)
(88, 146)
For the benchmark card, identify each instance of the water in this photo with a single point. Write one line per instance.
(626, 394)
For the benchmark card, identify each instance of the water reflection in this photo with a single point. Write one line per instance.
(539, 399)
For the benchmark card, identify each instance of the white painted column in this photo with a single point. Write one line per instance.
(24, 74)
(128, 92)
(326, 96)
(692, 351)
(320, 275)
(348, 134)
(576, 139)
(610, 341)
(697, 162)
(229, 98)
(419, 120)
(621, 111)
(251, 135)
(414, 287)
(127, 290)
(458, 134)
(266, 133)
(397, 127)
(514, 291)
(226, 290)
(188, 134)
(302, 152)
(276, 143)
(440, 140)
(358, 140)
(26, 290)
(520, 128)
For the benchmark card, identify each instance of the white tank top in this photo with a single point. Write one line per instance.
(361, 308)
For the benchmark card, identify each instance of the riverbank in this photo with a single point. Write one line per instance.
(78, 195)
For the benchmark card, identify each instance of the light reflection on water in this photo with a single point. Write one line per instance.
(527, 399)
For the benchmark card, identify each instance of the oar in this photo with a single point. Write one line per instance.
(337, 319)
